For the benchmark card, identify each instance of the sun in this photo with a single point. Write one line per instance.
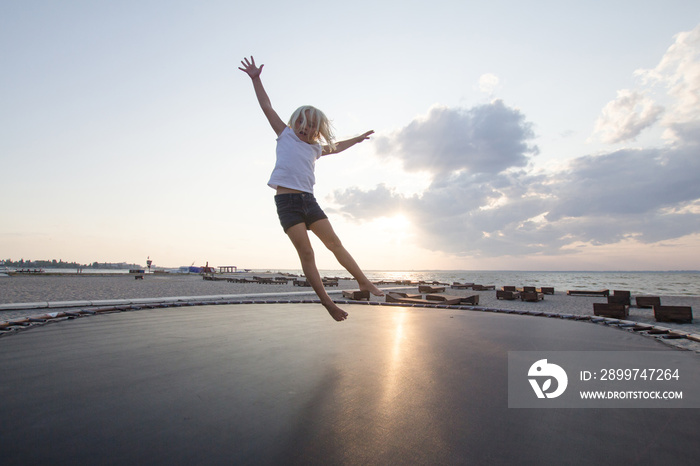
(396, 226)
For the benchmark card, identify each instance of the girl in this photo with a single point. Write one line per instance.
(298, 148)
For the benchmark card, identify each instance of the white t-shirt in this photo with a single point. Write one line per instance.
(295, 164)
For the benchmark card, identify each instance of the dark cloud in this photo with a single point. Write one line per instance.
(627, 182)
(480, 203)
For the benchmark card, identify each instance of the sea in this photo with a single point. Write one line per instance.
(681, 283)
(668, 283)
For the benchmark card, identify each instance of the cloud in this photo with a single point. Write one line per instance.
(679, 73)
(627, 182)
(488, 83)
(485, 139)
(625, 117)
(675, 79)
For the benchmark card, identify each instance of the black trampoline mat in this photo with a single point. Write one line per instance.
(285, 384)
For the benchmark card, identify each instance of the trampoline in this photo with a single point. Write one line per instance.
(284, 384)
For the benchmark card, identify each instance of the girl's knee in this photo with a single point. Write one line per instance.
(333, 244)
(306, 253)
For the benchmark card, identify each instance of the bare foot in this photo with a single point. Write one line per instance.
(369, 286)
(336, 312)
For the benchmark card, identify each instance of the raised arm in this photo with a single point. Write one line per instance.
(254, 72)
(340, 146)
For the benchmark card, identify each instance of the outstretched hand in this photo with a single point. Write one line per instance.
(249, 67)
(364, 136)
(340, 146)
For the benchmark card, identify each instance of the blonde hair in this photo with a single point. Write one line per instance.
(322, 130)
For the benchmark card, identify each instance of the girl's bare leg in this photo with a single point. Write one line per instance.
(324, 231)
(300, 239)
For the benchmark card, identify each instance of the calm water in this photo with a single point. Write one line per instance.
(653, 283)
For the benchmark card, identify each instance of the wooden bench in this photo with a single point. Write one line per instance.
(617, 311)
(612, 299)
(356, 295)
(508, 288)
(620, 297)
(547, 290)
(682, 314)
(531, 296)
(588, 293)
(648, 301)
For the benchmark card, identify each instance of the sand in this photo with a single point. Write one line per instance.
(17, 291)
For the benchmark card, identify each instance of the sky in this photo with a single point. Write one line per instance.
(541, 135)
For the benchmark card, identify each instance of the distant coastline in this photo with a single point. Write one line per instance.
(59, 264)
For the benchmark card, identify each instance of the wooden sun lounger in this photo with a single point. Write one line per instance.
(452, 300)
(483, 287)
(393, 297)
(396, 297)
(531, 289)
(648, 301)
(431, 289)
(683, 314)
(617, 311)
(588, 293)
(306, 282)
(431, 299)
(416, 301)
(444, 299)
(473, 300)
(461, 286)
(397, 294)
(356, 295)
(265, 281)
(507, 294)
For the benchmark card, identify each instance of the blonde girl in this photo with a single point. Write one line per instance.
(307, 137)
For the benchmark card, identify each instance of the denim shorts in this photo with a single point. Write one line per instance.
(295, 208)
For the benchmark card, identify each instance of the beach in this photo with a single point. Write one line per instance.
(31, 295)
